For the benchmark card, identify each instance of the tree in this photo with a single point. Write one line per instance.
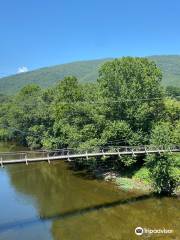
(173, 92)
(127, 106)
(171, 111)
(77, 120)
(26, 117)
(165, 134)
(162, 167)
(131, 88)
(118, 132)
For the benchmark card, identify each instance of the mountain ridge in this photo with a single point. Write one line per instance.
(85, 71)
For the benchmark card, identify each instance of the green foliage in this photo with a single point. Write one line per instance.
(3, 98)
(173, 91)
(22, 117)
(161, 168)
(117, 131)
(177, 159)
(143, 175)
(126, 106)
(131, 87)
(165, 134)
(35, 135)
(127, 161)
(171, 112)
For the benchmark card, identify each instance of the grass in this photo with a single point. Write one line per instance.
(139, 180)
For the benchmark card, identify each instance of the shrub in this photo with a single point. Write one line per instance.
(161, 168)
(143, 175)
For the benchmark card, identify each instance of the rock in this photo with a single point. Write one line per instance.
(109, 176)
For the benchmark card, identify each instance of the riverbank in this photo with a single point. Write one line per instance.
(138, 180)
(134, 178)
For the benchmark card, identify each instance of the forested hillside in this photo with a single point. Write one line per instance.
(170, 66)
(85, 71)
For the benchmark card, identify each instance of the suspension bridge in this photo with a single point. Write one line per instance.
(73, 154)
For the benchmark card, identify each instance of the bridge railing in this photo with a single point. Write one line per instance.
(120, 149)
(98, 149)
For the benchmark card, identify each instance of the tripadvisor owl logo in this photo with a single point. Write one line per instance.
(139, 231)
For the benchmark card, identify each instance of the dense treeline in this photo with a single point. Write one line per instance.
(173, 91)
(126, 106)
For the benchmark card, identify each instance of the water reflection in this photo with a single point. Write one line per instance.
(64, 205)
(68, 214)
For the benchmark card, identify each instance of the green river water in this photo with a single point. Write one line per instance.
(53, 202)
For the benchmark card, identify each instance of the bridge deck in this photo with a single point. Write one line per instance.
(71, 154)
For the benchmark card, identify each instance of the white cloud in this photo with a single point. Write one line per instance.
(22, 69)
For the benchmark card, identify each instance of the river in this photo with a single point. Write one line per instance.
(54, 202)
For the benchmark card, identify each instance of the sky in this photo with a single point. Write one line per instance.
(39, 33)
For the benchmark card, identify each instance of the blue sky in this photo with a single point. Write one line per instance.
(38, 33)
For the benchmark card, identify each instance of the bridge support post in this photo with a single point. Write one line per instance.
(146, 150)
(159, 151)
(2, 162)
(103, 152)
(170, 150)
(133, 153)
(119, 153)
(69, 160)
(86, 155)
(48, 158)
(26, 159)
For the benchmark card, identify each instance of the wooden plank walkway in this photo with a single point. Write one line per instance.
(72, 154)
